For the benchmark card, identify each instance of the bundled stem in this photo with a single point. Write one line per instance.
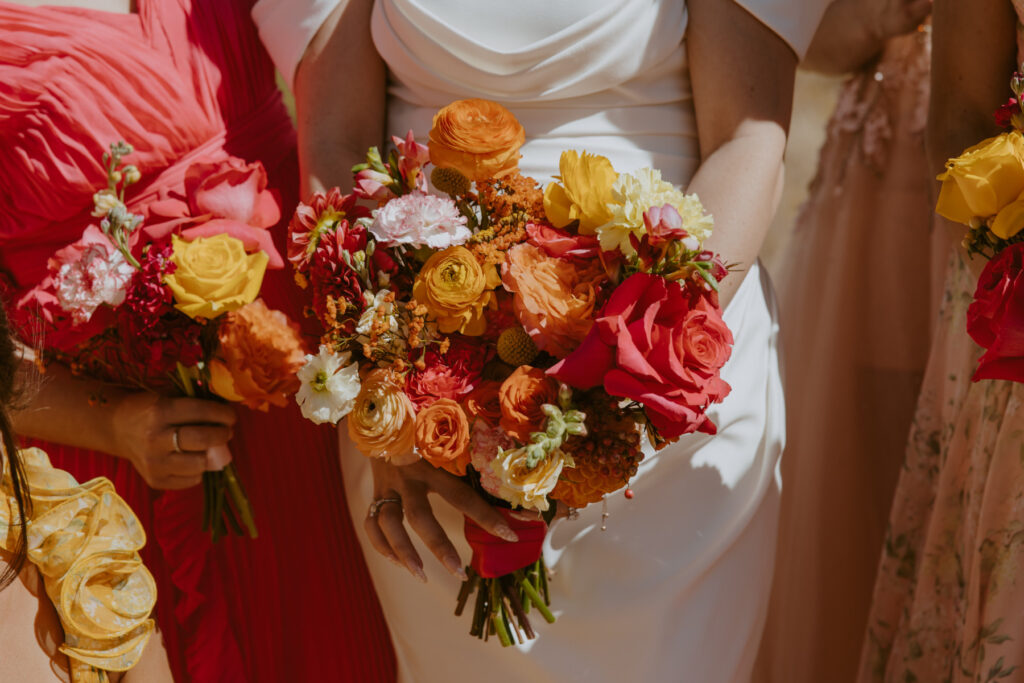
(503, 604)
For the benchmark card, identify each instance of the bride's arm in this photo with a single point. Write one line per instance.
(742, 76)
(340, 101)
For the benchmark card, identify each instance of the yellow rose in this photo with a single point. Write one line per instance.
(382, 423)
(983, 180)
(456, 289)
(214, 275)
(584, 194)
(525, 486)
(1009, 220)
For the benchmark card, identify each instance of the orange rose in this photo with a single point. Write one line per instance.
(521, 396)
(260, 351)
(484, 403)
(442, 436)
(554, 298)
(478, 138)
(382, 423)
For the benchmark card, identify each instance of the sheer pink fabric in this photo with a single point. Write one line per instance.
(183, 81)
(949, 601)
(854, 294)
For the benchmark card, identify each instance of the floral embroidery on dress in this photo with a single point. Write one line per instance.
(84, 540)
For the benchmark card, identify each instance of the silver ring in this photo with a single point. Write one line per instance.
(574, 514)
(177, 448)
(376, 505)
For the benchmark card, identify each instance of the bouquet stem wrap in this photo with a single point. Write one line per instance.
(494, 557)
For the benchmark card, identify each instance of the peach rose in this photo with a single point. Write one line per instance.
(382, 423)
(478, 138)
(456, 289)
(521, 396)
(259, 355)
(554, 298)
(442, 436)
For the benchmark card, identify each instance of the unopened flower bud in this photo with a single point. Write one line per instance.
(132, 174)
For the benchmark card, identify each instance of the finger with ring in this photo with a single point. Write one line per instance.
(376, 505)
(177, 445)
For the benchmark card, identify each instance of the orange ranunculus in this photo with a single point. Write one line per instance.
(259, 355)
(483, 402)
(382, 423)
(521, 396)
(456, 289)
(554, 298)
(442, 436)
(478, 138)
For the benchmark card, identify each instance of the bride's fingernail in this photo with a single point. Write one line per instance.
(418, 573)
(505, 531)
(455, 567)
(394, 560)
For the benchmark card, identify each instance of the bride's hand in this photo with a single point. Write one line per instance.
(167, 439)
(410, 484)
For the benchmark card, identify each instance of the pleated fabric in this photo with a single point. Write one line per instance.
(183, 81)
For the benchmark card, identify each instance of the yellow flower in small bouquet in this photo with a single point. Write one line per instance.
(984, 180)
(583, 193)
(456, 290)
(214, 275)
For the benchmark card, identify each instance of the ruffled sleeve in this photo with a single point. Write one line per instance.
(795, 21)
(84, 539)
(287, 27)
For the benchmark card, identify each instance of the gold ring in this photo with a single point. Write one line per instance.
(376, 505)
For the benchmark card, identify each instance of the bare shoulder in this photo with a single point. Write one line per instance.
(30, 631)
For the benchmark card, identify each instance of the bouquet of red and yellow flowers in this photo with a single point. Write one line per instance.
(984, 190)
(174, 305)
(524, 339)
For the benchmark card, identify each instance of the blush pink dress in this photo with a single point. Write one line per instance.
(949, 600)
(854, 350)
(185, 81)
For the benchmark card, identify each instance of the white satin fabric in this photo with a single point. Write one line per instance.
(676, 589)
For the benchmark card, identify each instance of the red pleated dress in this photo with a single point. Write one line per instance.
(183, 81)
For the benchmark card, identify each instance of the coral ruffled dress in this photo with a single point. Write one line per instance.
(183, 82)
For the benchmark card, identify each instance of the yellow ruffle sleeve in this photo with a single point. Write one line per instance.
(84, 539)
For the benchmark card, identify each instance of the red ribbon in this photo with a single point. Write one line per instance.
(494, 557)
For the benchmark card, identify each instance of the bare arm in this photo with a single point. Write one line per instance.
(853, 32)
(136, 425)
(974, 53)
(340, 98)
(742, 77)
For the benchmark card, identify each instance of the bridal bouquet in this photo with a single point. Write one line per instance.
(175, 304)
(524, 339)
(984, 189)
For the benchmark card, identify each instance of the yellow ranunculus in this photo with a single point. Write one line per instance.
(584, 192)
(983, 180)
(214, 275)
(1009, 220)
(456, 289)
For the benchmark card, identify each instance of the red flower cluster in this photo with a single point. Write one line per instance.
(995, 319)
(656, 344)
(450, 375)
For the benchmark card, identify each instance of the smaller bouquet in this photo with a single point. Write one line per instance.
(524, 339)
(984, 189)
(174, 305)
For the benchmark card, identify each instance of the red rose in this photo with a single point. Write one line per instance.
(651, 344)
(995, 319)
(452, 375)
(562, 243)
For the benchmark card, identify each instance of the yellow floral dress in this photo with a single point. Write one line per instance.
(85, 541)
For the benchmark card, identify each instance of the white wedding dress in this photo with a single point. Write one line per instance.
(677, 587)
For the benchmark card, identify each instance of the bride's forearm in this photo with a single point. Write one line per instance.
(739, 184)
(339, 98)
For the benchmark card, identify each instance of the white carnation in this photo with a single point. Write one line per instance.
(100, 276)
(420, 220)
